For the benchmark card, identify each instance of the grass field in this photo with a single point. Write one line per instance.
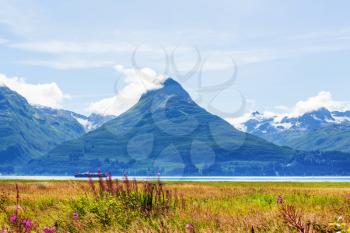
(67, 206)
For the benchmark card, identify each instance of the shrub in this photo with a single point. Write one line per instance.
(119, 203)
(293, 218)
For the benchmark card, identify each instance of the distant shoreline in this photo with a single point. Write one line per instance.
(195, 178)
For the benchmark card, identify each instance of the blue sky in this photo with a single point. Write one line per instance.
(286, 51)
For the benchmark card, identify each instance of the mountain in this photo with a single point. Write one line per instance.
(317, 130)
(167, 132)
(331, 138)
(91, 122)
(28, 132)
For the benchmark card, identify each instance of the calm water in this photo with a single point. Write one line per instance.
(203, 178)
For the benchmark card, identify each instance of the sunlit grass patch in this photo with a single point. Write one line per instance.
(129, 206)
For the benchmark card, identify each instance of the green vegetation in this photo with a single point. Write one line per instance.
(171, 140)
(332, 138)
(27, 132)
(129, 206)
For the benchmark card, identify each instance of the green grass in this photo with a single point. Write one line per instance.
(209, 206)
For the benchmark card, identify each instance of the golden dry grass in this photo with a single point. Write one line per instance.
(211, 207)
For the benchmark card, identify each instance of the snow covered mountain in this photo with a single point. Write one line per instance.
(305, 132)
(91, 122)
(167, 132)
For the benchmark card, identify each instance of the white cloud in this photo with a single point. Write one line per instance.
(238, 122)
(137, 82)
(63, 64)
(45, 94)
(218, 57)
(252, 56)
(333, 34)
(15, 18)
(324, 99)
(3, 40)
(58, 47)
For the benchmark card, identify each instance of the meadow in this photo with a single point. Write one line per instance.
(127, 206)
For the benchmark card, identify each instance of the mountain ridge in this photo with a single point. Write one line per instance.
(167, 132)
(89, 122)
(25, 132)
(320, 129)
(28, 132)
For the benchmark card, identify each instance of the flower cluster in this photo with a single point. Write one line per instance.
(50, 229)
(280, 200)
(190, 228)
(28, 224)
(75, 216)
(13, 218)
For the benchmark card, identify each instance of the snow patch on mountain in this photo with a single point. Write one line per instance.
(87, 125)
(315, 112)
(264, 123)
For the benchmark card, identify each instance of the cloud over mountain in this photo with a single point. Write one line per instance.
(324, 99)
(138, 82)
(45, 94)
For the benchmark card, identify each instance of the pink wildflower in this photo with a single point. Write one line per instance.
(50, 229)
(190, 227)
(75, 216)
(280, 200)
(13, 218)
(28, 224)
